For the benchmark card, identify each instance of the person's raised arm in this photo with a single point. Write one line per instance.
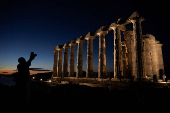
(32, 56)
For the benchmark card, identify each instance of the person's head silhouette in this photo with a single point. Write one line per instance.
(21, 60)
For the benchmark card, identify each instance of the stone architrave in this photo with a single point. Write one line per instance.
(160, 60)
(102, 55)
(60, 62)
(137, 33)
(89, 70)
(71, 60)
(147, 58)
(65, 61)
(55, 63)
(79, 70)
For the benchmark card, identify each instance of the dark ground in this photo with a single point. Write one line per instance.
(72, 95)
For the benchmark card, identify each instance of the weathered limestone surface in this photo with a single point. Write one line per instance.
(71, 61)
(113, 27)
(141, 57)
(102, 55)
(79, 70)
(128, 40)
(118, 47)
(65, 61)
(154, 54)
(137, 33)
(131, 52)
(147, 58)
(124, 59)
(60, 62)
(55, 63)
(160, 60)
(89, 70)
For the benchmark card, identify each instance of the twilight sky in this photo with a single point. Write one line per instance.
(40, 25)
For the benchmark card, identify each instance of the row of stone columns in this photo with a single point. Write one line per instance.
(79, 71)
(139, 60)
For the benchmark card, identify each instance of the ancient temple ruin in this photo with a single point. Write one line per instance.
(139, 56)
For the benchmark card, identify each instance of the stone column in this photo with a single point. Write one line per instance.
(124, 59)
(60, 62)
(115, 54)
(160, 60)
(65, 62)
(154, 55)
(128, 35)
(89, 70)
(102, 55)
(55, 63)
(147, 58)
(137, 32)
(71, 60)
(79, 70)
(118, 50)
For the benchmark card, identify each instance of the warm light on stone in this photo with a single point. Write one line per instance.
(139, 56)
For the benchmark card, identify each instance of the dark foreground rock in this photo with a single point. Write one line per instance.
(72, 95)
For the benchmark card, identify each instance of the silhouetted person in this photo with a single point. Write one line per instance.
(22, 81)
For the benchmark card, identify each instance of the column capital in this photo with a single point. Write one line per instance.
(72, 43)
(65, 46)
(139, 19)
(117, 26)
(79, 40)
(89, 36)
(55, 51)
(100, 31)
(58, 47)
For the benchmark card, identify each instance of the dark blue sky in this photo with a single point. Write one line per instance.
(39, 26)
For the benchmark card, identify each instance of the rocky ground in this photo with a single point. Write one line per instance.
(44, 96)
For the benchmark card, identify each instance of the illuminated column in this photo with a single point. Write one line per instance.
(127, 36)
(147, 58)
(160, 60)
(60, 62)
(137, 33)
(124, 59)
(154, 55)
(115, 54)
(71, 61)
(102, 55)
(89, 70)
(79, 70)
(118, 50)
(131, 53)
(65, 61)
(55, 63)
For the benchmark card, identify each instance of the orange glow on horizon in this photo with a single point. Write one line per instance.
(9, 72)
